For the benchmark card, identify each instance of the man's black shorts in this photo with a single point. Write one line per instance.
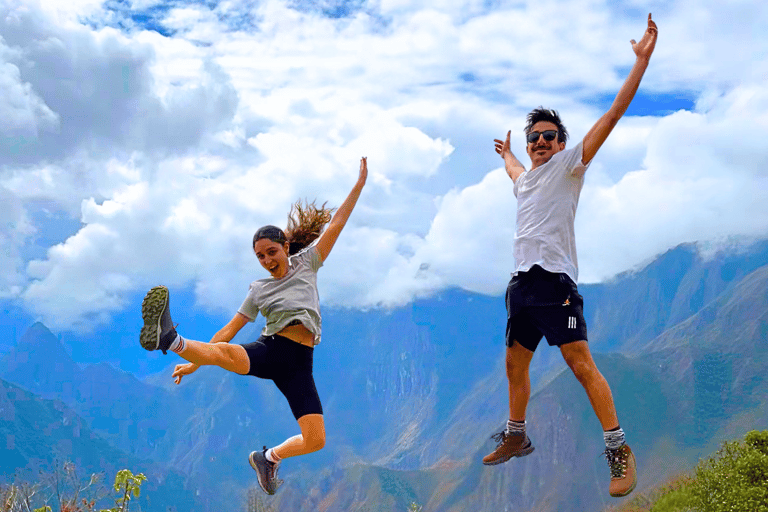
(541, 303)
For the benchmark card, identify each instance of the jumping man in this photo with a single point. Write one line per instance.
(542, 298)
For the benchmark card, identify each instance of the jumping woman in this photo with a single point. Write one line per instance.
(289, 301)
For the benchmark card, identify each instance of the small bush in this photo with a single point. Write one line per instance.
(735, 479)
(65, 490)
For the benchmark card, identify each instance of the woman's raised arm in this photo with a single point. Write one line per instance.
(339, 220)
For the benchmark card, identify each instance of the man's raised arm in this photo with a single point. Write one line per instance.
(512, 165)
(594, 139)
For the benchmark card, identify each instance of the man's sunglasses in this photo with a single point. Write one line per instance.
(549, 135)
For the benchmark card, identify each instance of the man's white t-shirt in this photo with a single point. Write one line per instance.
(547, 197)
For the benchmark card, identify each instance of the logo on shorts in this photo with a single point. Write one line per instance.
(567, 301)
(571, 322)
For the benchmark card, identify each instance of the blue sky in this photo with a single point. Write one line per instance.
(143, 142)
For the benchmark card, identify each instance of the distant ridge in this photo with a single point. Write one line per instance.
(412, 395)
(39, 434)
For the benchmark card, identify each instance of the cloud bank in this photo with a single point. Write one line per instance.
(165, 143)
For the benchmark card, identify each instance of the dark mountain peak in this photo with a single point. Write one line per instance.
(39, 340)
(38, 360)
(36, 333)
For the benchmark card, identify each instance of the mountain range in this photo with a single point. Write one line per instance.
(412, 395)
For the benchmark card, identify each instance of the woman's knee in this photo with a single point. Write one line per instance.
(315, 443)
(233, 358)
(313, 431)
(314, 439)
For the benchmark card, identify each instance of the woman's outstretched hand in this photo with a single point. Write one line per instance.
(182, 370)
(645, 47)
(363, 170)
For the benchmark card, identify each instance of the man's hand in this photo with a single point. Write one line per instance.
(645, 47)
(182, 370)
(502, 148)
(511, 164)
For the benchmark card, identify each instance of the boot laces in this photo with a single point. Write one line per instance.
(617, 462)
(500, 437)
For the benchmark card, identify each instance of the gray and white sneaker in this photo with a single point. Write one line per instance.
(158, 331)
(265, 470)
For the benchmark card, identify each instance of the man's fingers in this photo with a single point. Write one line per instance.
(651, 23)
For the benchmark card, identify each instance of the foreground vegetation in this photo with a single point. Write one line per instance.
(63, 491)
(735, 479)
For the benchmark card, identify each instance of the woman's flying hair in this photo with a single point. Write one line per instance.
(305, 223)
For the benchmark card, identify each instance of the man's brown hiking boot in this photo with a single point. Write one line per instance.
(510, 445)
(623, 471)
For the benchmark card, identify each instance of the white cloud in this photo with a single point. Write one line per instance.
(23, 112)
(704, 178)
(173, 150)
(15, 229)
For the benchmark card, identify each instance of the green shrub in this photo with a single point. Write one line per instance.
(735, 479)
(63, 489)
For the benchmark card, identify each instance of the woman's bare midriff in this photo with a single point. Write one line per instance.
(299, 334)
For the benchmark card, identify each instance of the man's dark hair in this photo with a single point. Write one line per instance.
(543, 114)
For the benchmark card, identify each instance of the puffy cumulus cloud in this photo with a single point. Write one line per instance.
(24, 113)
(172, 149)
(709, 44)
(193, 224)
(145, 234)
(75, 88)
(62, 13)
(15, 228)
(703, 179)
(373, 267)
(469, 244)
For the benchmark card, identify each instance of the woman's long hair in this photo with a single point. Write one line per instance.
(305, 223)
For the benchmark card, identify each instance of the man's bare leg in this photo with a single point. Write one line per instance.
(579, 359)
(513, 442)
(518, 362)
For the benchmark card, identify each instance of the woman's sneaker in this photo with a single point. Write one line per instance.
(158, 331)
(265, 470)
(623, 471)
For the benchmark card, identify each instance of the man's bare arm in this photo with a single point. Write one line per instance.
(512, 165)
(595, 138)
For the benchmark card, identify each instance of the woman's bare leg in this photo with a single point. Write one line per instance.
(230, 357)
(311, 439)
